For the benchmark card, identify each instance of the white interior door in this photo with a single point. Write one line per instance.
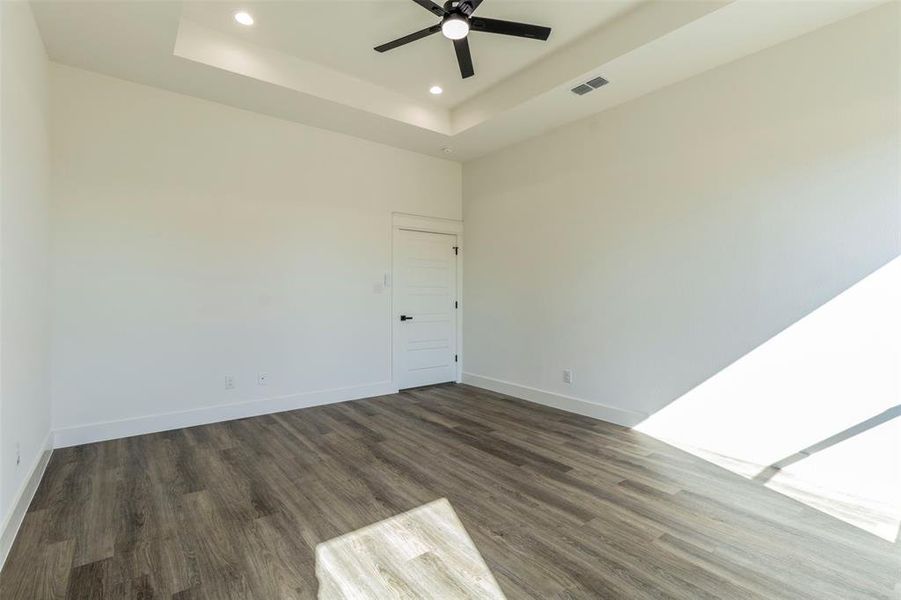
(425, 308)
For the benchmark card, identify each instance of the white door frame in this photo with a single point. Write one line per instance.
(408, 222)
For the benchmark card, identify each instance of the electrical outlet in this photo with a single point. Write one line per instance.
(262, 379)
(229, 382)
(567, 375)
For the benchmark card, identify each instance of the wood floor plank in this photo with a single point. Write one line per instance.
(559, 505)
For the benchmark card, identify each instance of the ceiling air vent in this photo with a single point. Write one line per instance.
(589, 86)
(582, 89)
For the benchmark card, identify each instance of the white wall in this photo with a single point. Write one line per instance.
(194, 241)
(24, 249)
(821, 399)
(650, 246)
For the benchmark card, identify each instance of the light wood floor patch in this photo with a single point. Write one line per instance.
(557, 505)
(422, 553)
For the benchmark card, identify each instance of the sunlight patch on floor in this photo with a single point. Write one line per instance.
(814, 412)
(422, 553)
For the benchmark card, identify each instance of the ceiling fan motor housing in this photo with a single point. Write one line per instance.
(464, 7)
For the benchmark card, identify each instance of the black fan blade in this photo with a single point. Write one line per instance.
(408, 38)
(534, 32)
(464, 57)
(431, 7)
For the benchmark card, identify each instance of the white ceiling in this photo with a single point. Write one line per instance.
(341, 35)
(312, 61)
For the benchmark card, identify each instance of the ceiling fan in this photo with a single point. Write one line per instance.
(456, 23)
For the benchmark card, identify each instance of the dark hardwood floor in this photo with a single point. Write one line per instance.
(560, 506)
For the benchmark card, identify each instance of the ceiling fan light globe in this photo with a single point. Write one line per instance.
(455, 27)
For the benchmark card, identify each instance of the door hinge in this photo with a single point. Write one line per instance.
(456, 250)
(456, 304)
(455, 358)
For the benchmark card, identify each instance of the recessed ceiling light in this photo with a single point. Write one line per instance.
(243, 18)
(435, 89)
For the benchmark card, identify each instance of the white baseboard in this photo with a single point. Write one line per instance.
(611, 414)
(22, 499)
(110, 430)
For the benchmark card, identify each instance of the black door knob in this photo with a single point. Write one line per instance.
(405, 318)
